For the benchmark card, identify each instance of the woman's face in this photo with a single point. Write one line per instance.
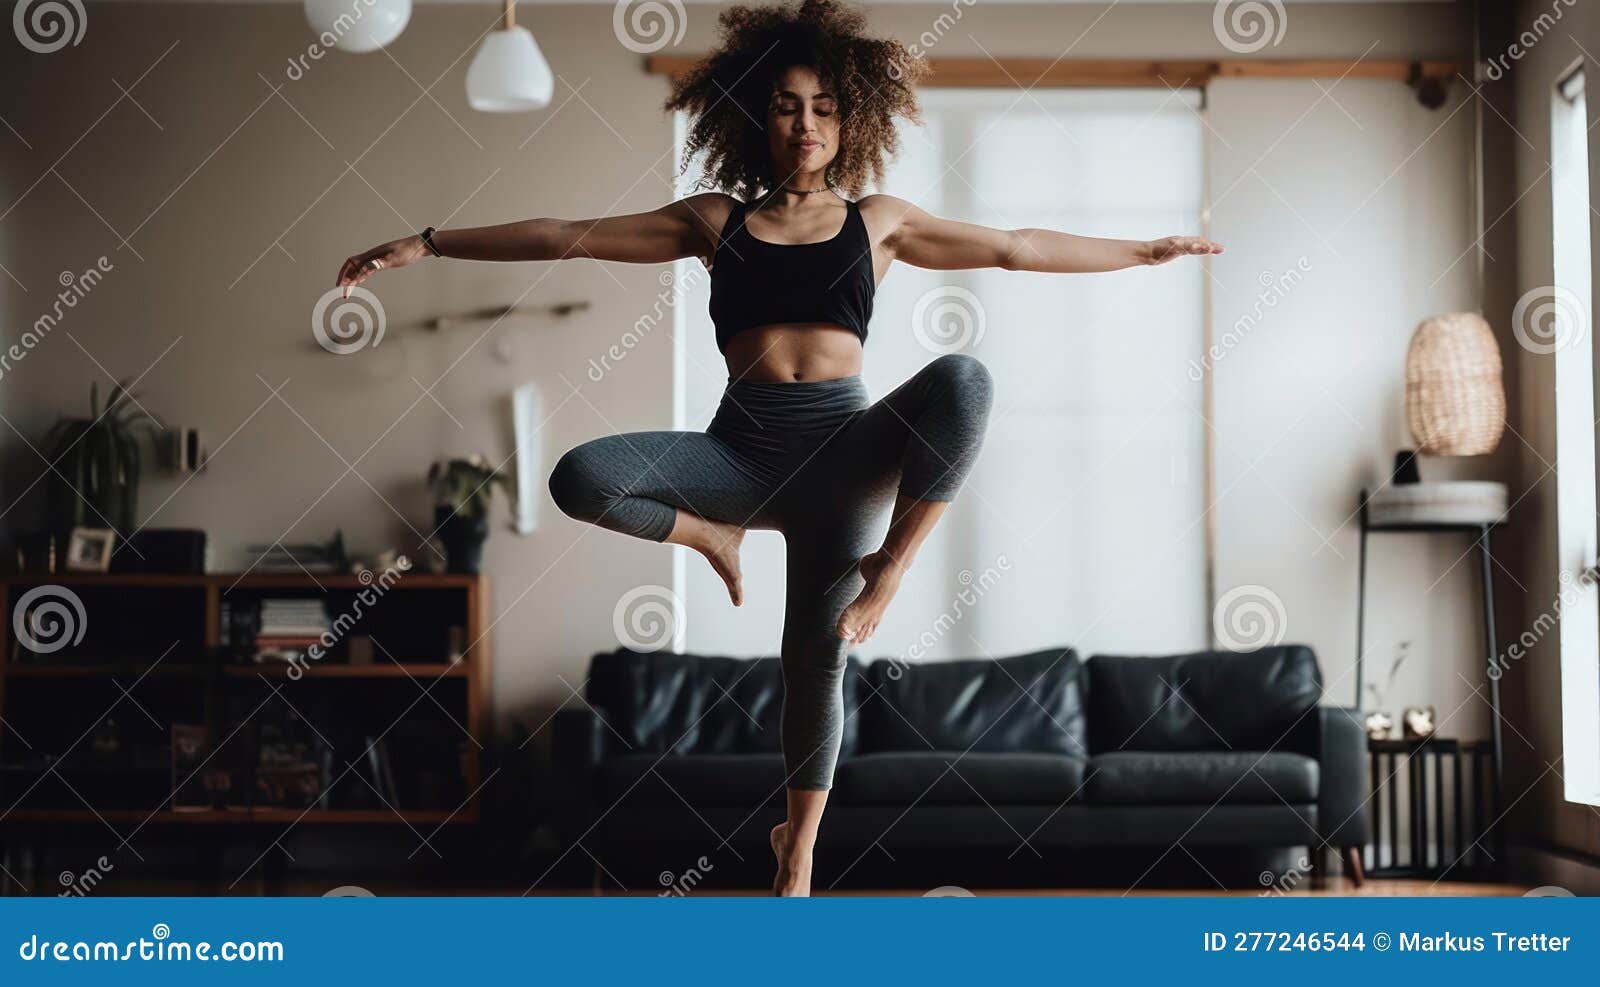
(802, 124)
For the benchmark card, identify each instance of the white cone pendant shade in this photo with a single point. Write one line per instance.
(509, 74)
(358, 25)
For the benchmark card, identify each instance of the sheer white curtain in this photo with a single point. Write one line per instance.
(1082, 523)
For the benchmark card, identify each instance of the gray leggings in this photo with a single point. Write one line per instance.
(815, 461)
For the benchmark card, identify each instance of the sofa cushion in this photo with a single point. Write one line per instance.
(952, 778)
(701, 779)
(1030, 702)
(1204, 777)
(1210, 700)
(692, 704)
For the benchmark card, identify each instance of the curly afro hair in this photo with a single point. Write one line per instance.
(728, 93)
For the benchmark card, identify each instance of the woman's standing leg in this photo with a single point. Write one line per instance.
(822, 550)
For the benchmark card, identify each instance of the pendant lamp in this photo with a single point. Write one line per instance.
(509, 73)
(358, 26)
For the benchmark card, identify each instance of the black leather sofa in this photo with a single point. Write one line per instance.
(677, 760)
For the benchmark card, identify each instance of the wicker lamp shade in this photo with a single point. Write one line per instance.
(1455, 398)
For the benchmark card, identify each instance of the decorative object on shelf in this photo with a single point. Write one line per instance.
(162, 550)
(497, 312)
(358, 27)
(278, 557)
(181, 451)
(1455, 399)
(1405, 467)
(1418, 722)
(36, 552)
(465, 488)
(95, 480)
(509, 74)
(1445, 502)
(1380, 723)
(89, 549)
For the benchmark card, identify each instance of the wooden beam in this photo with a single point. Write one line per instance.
(1023, 73)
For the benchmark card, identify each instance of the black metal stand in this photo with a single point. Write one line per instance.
(1481, 533)
(1448, 790)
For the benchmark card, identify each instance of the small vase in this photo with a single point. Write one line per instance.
(1379, 725)
(463, 539)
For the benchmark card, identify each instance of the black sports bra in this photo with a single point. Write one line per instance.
(761, 283)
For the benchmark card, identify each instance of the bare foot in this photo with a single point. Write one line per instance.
(780, 849)
(861, 617)
(720, 546)
(794, 869)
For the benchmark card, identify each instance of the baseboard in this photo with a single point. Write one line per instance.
(1543, 866)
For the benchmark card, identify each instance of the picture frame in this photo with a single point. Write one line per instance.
(89, 549)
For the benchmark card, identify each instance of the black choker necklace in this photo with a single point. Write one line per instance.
(804, 191)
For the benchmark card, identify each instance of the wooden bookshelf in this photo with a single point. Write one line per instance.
(195, 602)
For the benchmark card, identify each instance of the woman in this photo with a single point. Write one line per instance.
(794, 112)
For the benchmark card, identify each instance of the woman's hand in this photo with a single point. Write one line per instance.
(1173, 247)
(395, 253)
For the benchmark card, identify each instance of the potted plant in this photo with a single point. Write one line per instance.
(464, 489)
(95, 482)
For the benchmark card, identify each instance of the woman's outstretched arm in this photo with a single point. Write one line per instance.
(677, 229)
(924, 240)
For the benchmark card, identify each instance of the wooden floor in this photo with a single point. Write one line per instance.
(1337, 887)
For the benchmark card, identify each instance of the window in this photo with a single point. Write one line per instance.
(1082, 523)
(1570, 338)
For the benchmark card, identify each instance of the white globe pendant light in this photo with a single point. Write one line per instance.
(509, 73)
(358, 26)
